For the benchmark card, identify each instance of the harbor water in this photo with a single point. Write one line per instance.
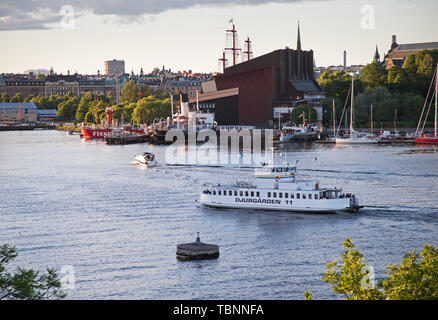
(68, 202)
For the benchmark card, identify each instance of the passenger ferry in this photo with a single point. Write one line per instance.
(276, 189)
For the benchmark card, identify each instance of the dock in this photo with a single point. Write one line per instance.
(127, 139)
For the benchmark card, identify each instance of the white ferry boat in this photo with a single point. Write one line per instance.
(276, 189)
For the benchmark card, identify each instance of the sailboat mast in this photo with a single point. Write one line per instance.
(371, 119)
(351, 108)
(436, 102)
(334, 118)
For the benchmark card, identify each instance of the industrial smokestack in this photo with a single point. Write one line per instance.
(345, 58)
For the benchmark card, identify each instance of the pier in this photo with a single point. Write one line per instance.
(127, 139)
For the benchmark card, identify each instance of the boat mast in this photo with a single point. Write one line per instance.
(334, 118)
(351, 108)
(436, 102)
(372, 125)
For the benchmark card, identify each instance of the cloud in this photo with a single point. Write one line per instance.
(46, 14)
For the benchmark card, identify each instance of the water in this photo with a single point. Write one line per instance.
(68, 202)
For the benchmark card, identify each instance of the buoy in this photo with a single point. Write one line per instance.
(197, 250)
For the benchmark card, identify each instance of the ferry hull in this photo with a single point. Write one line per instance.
(324, 206)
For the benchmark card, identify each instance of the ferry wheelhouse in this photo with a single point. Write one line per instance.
(276, 189)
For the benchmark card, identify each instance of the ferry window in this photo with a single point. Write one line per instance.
(225, 192)
(252, 193)
(235, 193)
(258, 194)
(219, 192)
(316, 196)
(304, 196)
(241, 193)
(310, 196)
(298, 195)
(286, 195)
(280, 195)
(275, 194)
(230, 193)
(269, 194)
(214, 192)
(246, 193)
(292, 195)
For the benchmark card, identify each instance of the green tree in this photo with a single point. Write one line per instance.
(86, 102)
(26, 284)
(297, 114)
(348, 279)
(67, 109)
(129, 92)
(5, 98)
(412, 279)
(373, 75)
(18, 97)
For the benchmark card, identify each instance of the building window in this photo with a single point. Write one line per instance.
(310, 196)
(269, 194)
(219, 192)
(316, 196)
(258, 194)
(230, 193)
(235, 193)
(292, 195)
(214, 192)
(304, 196)
(275, 194)
(241, 193)
(246, 193)
(298, 195)
(252, 193)
(286, 195)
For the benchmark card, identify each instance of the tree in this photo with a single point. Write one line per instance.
(348, 280)
(129, 92)
(373, 75)
(335, 83)
(413, 279)
(297, 114)
(410, 280)
(67, 109)
(86, 102)
(26, 284)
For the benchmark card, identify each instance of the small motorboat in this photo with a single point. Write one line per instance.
(146, 159)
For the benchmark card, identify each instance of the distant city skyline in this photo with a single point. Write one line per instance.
(192, 36)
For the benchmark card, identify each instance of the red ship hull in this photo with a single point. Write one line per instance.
(89, 132)
(427, 140)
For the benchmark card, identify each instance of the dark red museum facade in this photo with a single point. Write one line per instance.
(268, 86)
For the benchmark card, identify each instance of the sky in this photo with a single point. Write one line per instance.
(79, 35)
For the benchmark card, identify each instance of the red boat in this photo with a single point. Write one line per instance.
(96, 132)
(427, 139)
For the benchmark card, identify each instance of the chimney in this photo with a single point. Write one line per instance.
(394, 42)
(345, 58)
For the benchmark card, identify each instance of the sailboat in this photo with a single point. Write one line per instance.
(355, 137)
(428, 138)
